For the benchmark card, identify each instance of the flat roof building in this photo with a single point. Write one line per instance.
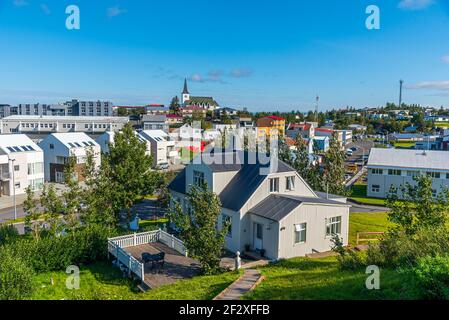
(397, 167)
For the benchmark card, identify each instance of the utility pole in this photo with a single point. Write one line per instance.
(401, 82)
(316, 108)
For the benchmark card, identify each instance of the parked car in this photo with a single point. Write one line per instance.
(349, 152)
(163, 166)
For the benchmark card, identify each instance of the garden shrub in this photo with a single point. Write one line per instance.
(8, 233)
(16, 276)
(431, 275)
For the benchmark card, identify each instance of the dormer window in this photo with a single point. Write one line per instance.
(198, 178)
(290, 183)
(274, 185)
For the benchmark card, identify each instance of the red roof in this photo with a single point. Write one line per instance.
(303, 126)
(276, 118)
(156, 105)
(173, 116)
(324, 130)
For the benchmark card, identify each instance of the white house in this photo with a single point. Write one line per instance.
(276, 212)
(21, 164)
(59, 147)
(160, 146)
(396, 167)
(105, 140)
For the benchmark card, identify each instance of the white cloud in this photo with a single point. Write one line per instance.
(433, 85)
(115, 11)
(445, 58)
(20, 3)
(241, 73)
(45, 9)
(415, 4)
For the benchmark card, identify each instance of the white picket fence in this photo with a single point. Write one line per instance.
(126, 260)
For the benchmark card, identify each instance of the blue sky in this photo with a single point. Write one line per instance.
(263, 55)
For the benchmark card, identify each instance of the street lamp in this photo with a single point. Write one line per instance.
(14, 188)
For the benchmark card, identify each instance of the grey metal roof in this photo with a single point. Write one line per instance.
(275, 207)
(154, 118)
(178, 184)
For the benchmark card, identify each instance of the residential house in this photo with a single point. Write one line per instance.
(306, 130)
(270, 210)
(190, 111)
(246, 122)
(230, 112)
(59, 147)
(271, 125)
(21, 165)
(174, 119)
(396, 167)
(155, 122)
(321, 143)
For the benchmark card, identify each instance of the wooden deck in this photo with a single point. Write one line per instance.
(176, 266)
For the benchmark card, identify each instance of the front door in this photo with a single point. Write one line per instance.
(257, 236)
(59, 177)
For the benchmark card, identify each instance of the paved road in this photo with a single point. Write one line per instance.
(7, 214)
(366, 208)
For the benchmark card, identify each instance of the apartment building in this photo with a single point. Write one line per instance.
(56, 124)
(161, 147)
(69, 108)
(59, 147)
(21, 165)
(396, 167)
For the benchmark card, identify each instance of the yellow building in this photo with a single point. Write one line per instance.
(271, 125)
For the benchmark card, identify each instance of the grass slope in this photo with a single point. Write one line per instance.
(367, 222)
(102, 281)
(321, 279)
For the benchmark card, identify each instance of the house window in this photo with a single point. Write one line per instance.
(198, 178)
(227, 220)
(412, 173)
(300, 232)
(290, 183)
(434, 193)
(394, 172)
(16, 168)
(435, 175)
(377, 171)
(375, 188)
(274, 185)
(17, 185)
(333, 226)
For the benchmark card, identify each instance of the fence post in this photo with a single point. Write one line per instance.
(172, 241)
(134, 240)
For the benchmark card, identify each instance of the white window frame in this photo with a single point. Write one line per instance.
(299, 229)
(274, 185)
(375, 188)
(290, 183)
(227, 218)
(333, 226)
(198, 178)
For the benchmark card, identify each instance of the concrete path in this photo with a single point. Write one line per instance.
(247, 282)
(363, 208)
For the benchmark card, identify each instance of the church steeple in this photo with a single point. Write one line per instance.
(185, 91)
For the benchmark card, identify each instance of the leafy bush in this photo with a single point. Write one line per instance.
(57, 253)
(8, 234)
(432, 277)
(351, 260)
(16, 277)
(402, 250)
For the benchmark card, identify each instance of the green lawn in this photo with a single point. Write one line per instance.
(102, 281)
(404, 144)
(149, 225)
(358, 193)
(308, 279)
(442, 124)
(367, 222)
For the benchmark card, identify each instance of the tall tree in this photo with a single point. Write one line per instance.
(174, 104)
(198, 227)
(285, 154)
(128, 171)
(333, 168)
(52, 208)
(71, 194)
(32, 213)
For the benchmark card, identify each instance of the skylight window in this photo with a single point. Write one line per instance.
(77, 144)
(31, 148)
(17, 149)
(85, 143)
(72, 145)
(10, 149)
